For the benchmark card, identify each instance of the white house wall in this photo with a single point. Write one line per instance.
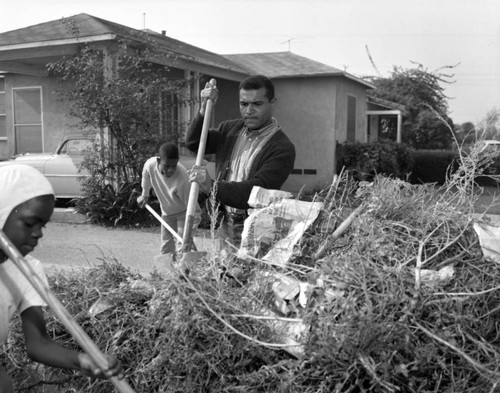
(306, 111)
(347, 88)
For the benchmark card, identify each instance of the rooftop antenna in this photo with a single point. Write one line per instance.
(144, 20)
(288, 40)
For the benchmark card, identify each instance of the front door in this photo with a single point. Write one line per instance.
(28, 120)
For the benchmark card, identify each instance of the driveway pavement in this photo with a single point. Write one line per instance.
(69, 244)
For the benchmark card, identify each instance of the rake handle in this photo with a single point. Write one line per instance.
(163, 222)
(195, 187)
(76, 330)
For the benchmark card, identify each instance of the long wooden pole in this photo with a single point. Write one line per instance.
(76, 330)
(162, 221)
(195, 187)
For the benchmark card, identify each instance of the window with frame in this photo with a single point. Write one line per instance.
(28, 120)
(3, 114)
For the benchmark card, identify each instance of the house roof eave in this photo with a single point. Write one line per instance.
(324, 75)
(387, 104)
(66, 41)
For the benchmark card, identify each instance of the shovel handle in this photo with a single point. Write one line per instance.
(195, 187)
(76, 330)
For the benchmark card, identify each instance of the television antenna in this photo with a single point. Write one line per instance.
(289, 43)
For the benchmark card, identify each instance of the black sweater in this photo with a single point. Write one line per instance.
(271, 167)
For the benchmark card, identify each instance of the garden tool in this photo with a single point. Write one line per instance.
(188, 257)
(44, 291)
(187, 240)
(162, 221)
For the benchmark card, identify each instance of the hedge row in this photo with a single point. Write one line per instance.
(364, 160)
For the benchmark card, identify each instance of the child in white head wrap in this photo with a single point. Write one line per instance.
(18, 184)
(26, 205)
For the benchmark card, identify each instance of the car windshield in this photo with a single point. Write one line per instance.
(75, 147)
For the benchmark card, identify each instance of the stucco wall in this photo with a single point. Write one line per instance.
(227, 106)
(347, 87)
(306, 111)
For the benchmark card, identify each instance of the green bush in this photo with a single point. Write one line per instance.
(432, 166)
(365, 160)
(112, 205)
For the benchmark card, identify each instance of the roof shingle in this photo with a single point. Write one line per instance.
(282, 64)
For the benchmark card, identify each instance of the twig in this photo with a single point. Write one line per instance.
(448, 244)
(467, 293)
(229, 326)
(338, 232)
(261, 317)
(478, 366)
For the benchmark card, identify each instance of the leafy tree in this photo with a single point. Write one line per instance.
(422, 93)
(466, 132)
(488, 128)
(124, 102)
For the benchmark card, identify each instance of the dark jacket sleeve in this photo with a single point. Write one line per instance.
(193, 136)
(270, 170)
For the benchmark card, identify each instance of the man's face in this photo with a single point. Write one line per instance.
(255, 108)
(25, 223)
(168, 166)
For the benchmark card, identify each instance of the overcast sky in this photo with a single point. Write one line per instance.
(340, 33)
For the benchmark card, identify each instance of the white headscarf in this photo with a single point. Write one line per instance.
(20, 183)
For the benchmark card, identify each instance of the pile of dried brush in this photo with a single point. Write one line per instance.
(378, 316)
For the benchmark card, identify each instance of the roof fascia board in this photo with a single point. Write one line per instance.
(325, 75)
(359, 80)
(18, 68)
(34, 53)
(386, 104)
(67, 41)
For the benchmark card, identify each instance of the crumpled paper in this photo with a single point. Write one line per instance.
(489, 239)
(271, 232)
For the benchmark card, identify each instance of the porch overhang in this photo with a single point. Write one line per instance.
(396, 112)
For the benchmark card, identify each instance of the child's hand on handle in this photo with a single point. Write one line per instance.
(90, 369)
(142, 200)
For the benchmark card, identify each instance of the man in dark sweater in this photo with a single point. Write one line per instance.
(251, 151)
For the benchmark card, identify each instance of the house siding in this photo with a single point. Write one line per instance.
(306, 110)
(349, 88)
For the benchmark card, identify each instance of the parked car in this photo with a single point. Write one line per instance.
(61, 167)
(491, 145)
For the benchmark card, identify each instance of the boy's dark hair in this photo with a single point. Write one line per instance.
(169, 150)
(256, 82)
